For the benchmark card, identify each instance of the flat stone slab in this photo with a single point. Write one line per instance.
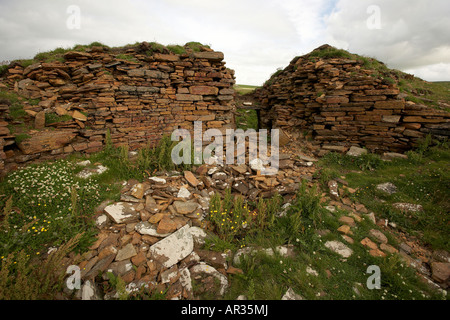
(339, 248)
(146, 228)
(126, 253)
(356, 152)
(185, 207)
(291, 295)
(408, 207)
(86, 173)
(284, 251)
(387, 187)
(173, 248)
(122, 212)
(209, 270)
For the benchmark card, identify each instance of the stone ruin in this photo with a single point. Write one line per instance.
(342, 104)
(138, 95)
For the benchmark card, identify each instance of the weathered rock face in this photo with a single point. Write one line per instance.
(341, 104)
(46, 141)
(173, 248)
(138, 99)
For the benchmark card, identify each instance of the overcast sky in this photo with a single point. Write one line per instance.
(256, 36)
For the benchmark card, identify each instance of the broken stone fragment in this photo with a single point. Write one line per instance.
(157, 180)
(339, 248)
(257, 164)
(387, 187)
(193, 181)
(122, 212)
(150, 205)
(378, 235)
(173, 248)
(333, 187)
(185, 207)
(79, 116)
(199, 270)
(291, 295)
(408, 207)
(166, 225)
(86, 173)
(441, 272)
(356, 152)
(183, 193)
(146, 228)
(138, 191)
(126, 253)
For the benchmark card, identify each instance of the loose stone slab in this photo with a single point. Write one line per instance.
(377, 234)
(334, 193)
(284, 251)
(291, 295)
(198, 235)
(207, 269)
(158, 180)
(387, 187)
(173, 248)
(183, 193)
(408, 207)
(122, 212)
(339, 248)
(86, 173)
(146, 228)
(126, 252)
(356, 152)
(185, 207)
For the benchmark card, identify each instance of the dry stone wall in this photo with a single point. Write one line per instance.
(135, 95)
(341, 104)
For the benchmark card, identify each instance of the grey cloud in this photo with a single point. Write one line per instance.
(413, 33)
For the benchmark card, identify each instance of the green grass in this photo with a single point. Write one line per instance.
(16, 110)
(155, 47)
(196, 46)
(330, 52)
(127, 57)
(246, 119)
(53, 55)
(422, 179)
(44, 211)
(148, 161)
(21, 137)
(46, 205)
(176, 49)
(428, 93)
(3, 69)
(272, 77)
(268, 277)
(58, 53)
(54, 118)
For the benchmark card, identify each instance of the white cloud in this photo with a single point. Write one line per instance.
(434, 72)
